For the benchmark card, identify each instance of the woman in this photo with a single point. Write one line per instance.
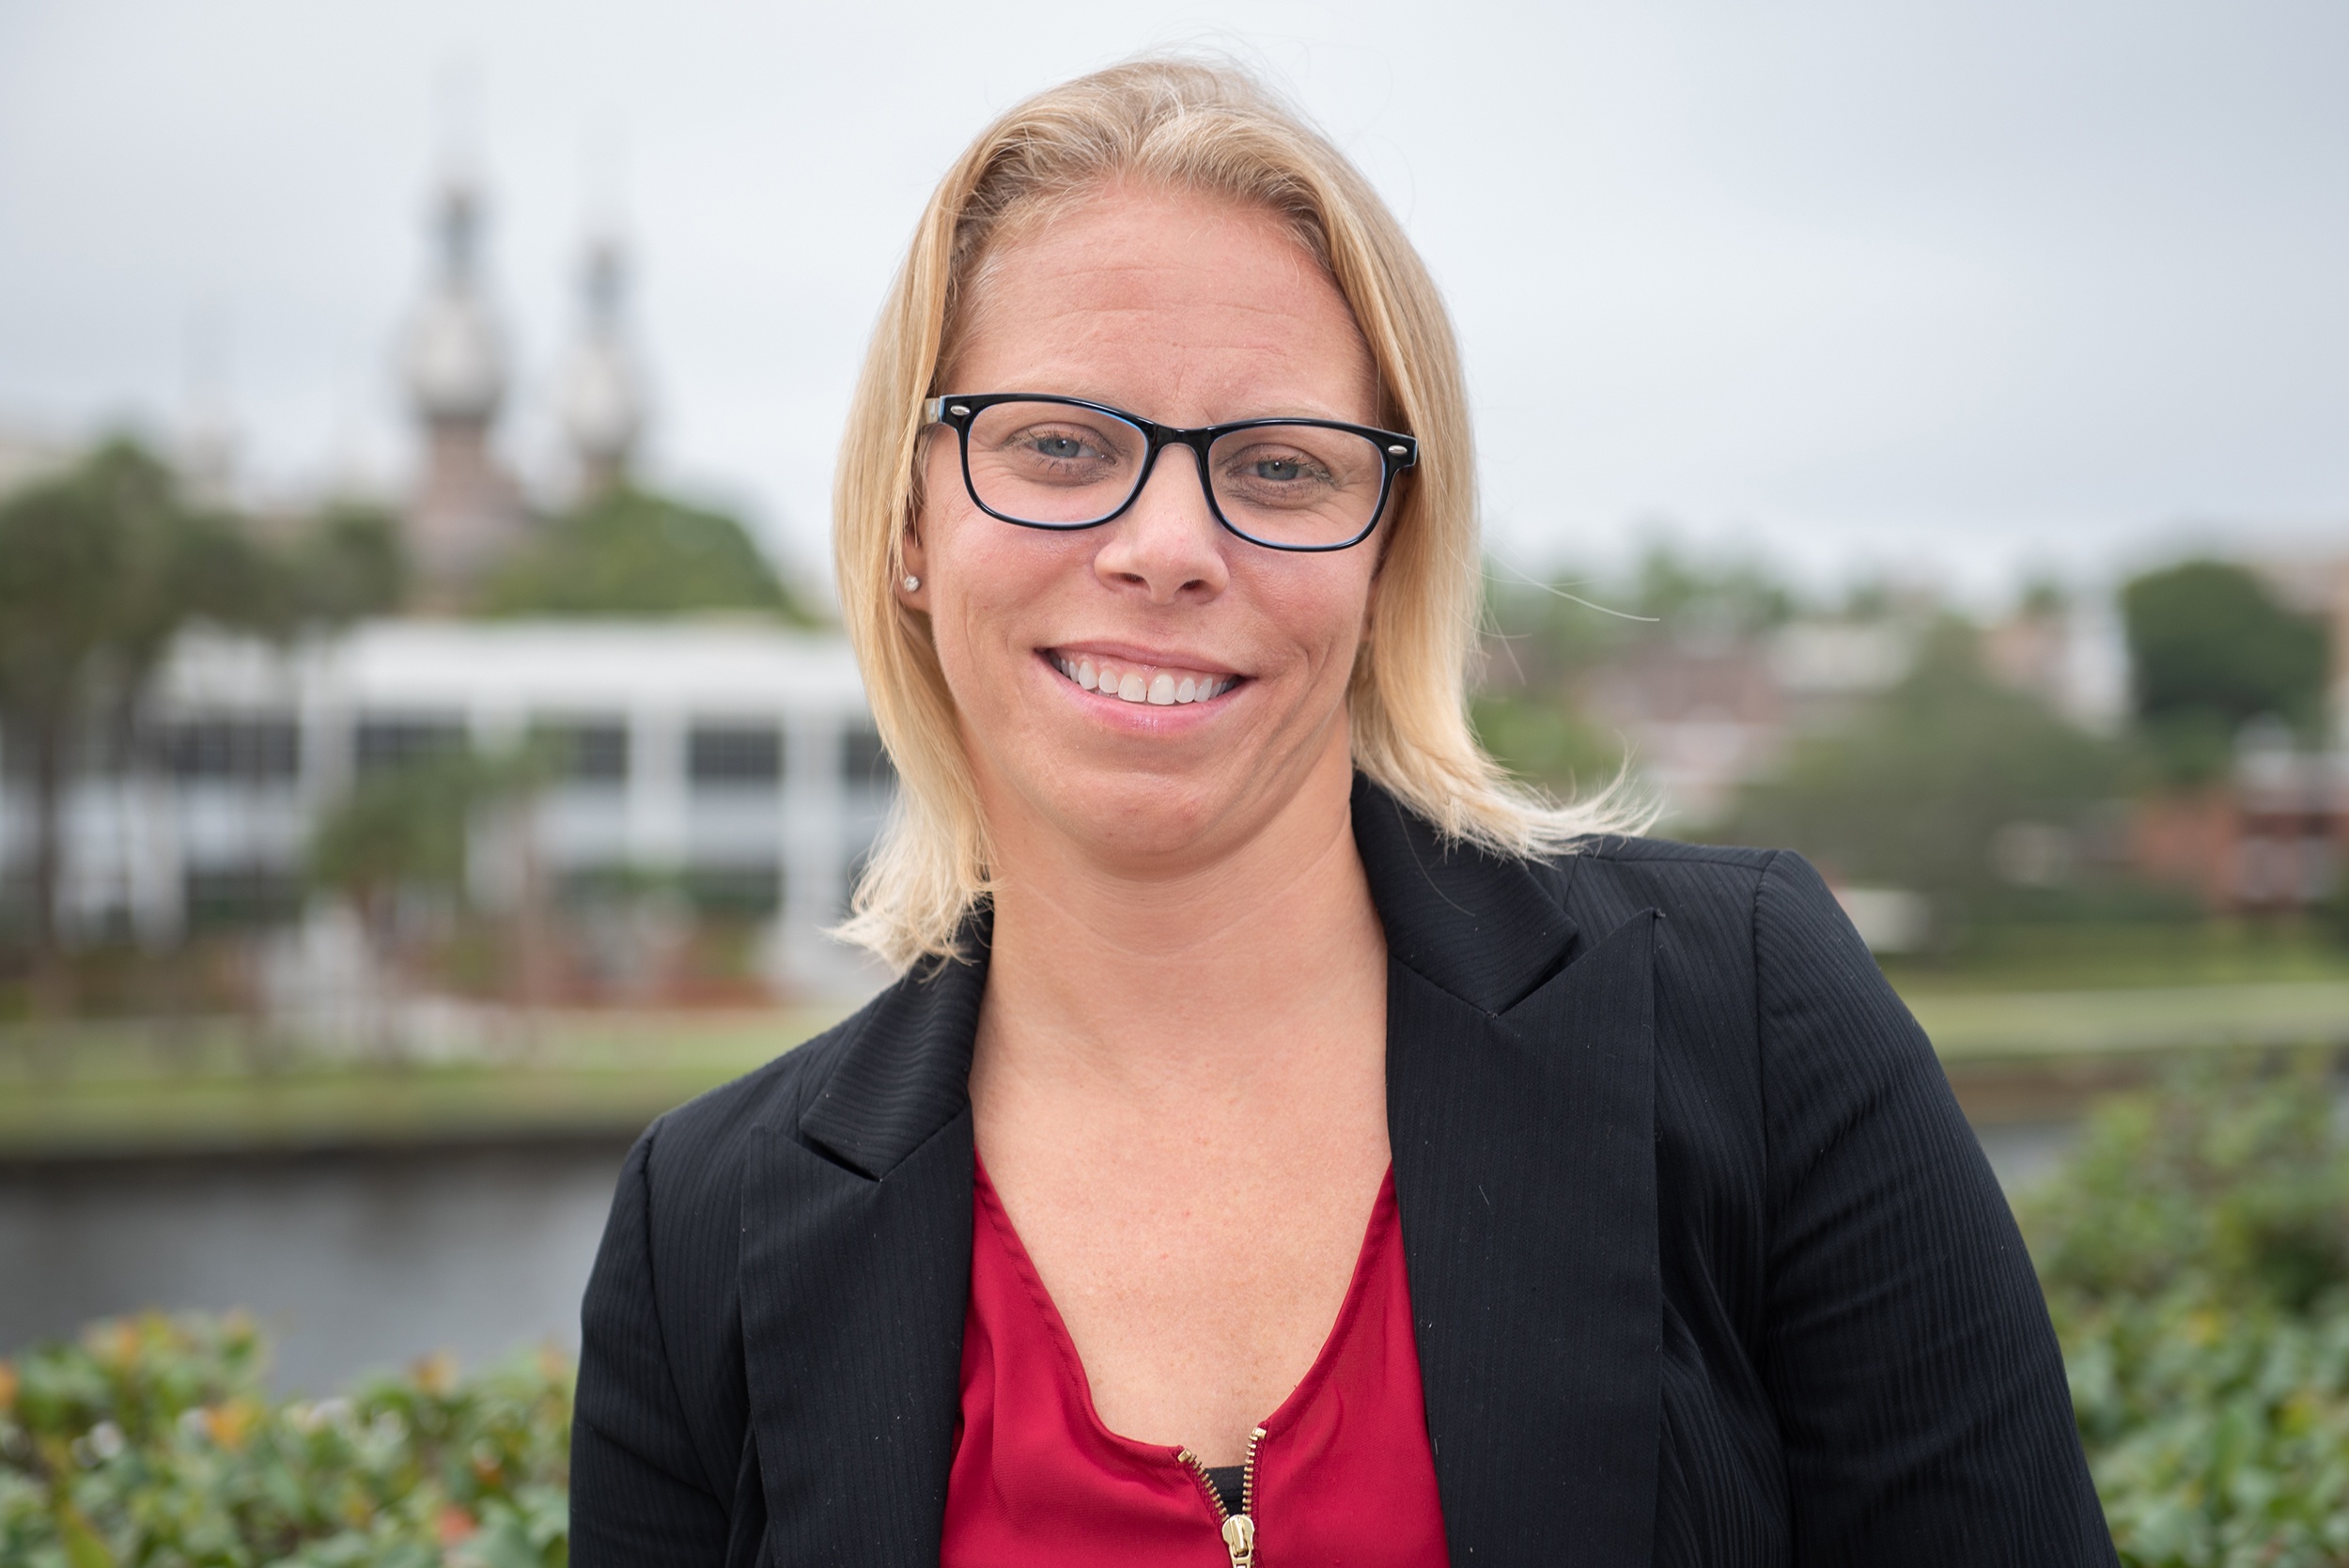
(1285, 1135)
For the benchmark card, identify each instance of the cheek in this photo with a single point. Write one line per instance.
(985, 567)
(1323, 614)
(992, 588)
(956, 538)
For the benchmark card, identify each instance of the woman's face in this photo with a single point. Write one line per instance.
(1189, 311)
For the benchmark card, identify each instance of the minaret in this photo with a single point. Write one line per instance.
(467, 510)
(599, 399)
(207, 438)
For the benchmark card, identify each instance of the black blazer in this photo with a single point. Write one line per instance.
(1707, 1267)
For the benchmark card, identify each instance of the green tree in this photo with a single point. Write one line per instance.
(404, 828)
(1544, 635)
(348, 562)
(100, 569)
(1692, 598)
(399, 831)
(630, 552)
(1915, 791)
(1543, 640)
(406, 831)
(2212, 649)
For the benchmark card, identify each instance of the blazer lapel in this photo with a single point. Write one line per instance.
(856, 1266)
(1521, 1096)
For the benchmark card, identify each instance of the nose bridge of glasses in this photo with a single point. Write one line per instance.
(1191, 490)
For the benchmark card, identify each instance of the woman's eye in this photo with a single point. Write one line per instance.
(1060, 446)
(1281, 468)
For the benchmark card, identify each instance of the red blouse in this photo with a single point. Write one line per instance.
(1341, 1473)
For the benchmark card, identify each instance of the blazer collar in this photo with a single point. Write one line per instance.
(1475, 924)
(906, 1071)
(1471, 924)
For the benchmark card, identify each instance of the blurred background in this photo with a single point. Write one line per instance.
(1917, 435)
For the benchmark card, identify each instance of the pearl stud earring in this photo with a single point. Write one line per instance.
(912, 582)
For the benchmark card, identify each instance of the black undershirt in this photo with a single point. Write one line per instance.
(1231, 1484)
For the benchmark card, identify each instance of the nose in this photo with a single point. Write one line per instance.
(1167, 543)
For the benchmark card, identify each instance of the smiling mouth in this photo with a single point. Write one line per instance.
(1158, 685)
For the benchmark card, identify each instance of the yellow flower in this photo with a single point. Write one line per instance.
(231, 1422)
(436, 1373)
(115, 1342)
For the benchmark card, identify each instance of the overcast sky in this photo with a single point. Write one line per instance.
(1954, 292)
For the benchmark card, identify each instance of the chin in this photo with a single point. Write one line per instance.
(1133, 813)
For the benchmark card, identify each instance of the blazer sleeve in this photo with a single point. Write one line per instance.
(638, 1493)
(1921, 1395)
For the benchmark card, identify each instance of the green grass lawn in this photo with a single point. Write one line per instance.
(2095, 956)
(2030, 1023)
(1971, 1026)
(122, 1089)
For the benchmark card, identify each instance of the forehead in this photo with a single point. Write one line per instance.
(1195, 302)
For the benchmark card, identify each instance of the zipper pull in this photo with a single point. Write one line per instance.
(1239, 1539)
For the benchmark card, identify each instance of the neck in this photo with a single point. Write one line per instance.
(1214, 974)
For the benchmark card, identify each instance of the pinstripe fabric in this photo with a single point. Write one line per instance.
(1707, 1269)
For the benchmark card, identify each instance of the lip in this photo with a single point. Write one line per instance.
(1137, 718)
(1134, 652)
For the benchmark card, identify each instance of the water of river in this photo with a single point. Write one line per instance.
(367, 1261)
(354, 1261)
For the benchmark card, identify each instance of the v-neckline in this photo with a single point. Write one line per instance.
(1382, 1229)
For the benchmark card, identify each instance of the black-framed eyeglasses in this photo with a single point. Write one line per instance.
(1046, 461)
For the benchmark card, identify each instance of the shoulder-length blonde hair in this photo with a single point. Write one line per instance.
(1210, 128)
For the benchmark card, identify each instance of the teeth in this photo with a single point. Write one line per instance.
(1163, 689)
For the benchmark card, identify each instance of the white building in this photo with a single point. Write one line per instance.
(738, 759)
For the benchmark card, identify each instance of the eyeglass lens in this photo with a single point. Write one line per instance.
(1063, 467)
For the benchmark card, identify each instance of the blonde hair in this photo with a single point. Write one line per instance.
(1210, 129)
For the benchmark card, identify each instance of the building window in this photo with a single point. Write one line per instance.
(867, 763)
(248, 751)
(586, 753)
(385, 744)
(240, 897)
(733, 756)
(750, 891)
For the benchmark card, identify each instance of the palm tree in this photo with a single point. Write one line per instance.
(101, 567)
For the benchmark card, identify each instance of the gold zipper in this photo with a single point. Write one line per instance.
(1238, 1530)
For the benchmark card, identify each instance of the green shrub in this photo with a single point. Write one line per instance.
(2195, 1253)
(152, 1440)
